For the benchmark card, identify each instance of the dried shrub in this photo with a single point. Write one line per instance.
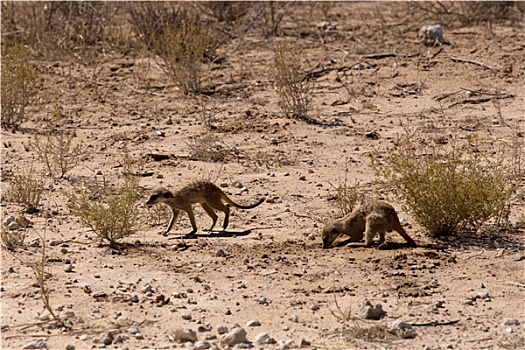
(112, 215)
(183, 51)
(468, 13)
(65, 28)
(178, 38)
(18, 86)
(26, 190)
(449, 191)
(57, 150)
(12, 239)
(210, 148)
(347, 195)
(289, 81)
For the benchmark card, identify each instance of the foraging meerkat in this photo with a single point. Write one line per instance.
(209, 196)
(370, 218)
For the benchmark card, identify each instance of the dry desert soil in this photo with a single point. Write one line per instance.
(374, 83)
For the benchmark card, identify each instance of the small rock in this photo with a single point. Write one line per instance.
(234, 337)
(222, 329)
(264, 338)
(220, 253)
(262, 300)
(305, 343)
(185, 334)
(36, 344)
(202, 345)
(12, 226)
(139, 335)
(9, 220)
(186, 317)
(370, 311)
(68, 268)
(402, 329)
(511, 322)
(70, 347)
(133, 330)
(105, 338)
(432, 35)
(253, 323)
(294, 318)
(134, 298)
(146, 288)
(326, 26)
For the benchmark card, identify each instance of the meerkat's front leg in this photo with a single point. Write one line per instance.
(174, 215)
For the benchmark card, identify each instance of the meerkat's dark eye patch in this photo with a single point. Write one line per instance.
(166, 195)
(334, 230)
(153, 197)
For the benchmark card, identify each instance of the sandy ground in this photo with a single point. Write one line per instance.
(269, 267)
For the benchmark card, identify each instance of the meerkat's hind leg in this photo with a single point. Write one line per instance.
(373, 226)
(209, 210)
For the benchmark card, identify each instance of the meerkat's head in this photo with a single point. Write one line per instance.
(159, 195)
(331, 231)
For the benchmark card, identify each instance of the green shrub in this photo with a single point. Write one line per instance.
(289, 81)
(449, 191)
(112, 216)
(18, 86)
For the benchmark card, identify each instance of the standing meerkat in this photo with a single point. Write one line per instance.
(209, 196)
(370, 218)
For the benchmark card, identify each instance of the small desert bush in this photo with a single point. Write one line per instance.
(62, 29)
(19, 80)
(112, 215)
(347, 195)
(12, 239)
(183, 52)
(26, 190)
(58, 152)
(294, 90)
(449, 190)
(57, 149)
(179, 38)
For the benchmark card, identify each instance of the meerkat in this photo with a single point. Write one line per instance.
(209, 196)
(371, 218)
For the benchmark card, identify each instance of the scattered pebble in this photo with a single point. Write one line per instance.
(220, 253)
(202, 345)
(36, 344)
(402, 329)
(70, 347)
(253, 323)
(263, 338)
(511, 322)
(185, 334)
(370, 311)
(222, 329)
(234, 337)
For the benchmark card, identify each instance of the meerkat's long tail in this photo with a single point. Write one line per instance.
(229, 201)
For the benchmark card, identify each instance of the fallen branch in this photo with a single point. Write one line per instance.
(458, 59)
(380, 55)
(434, 323)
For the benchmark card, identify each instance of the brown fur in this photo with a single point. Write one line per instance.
(209, 196)
(369, 219)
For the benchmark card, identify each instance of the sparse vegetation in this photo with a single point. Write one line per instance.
(57, 150)
(12, 239)
(112, 215)
(289, 81)
(347, 195)
(26, 190)
(182, 42)
(449, 190)
(19, 80)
